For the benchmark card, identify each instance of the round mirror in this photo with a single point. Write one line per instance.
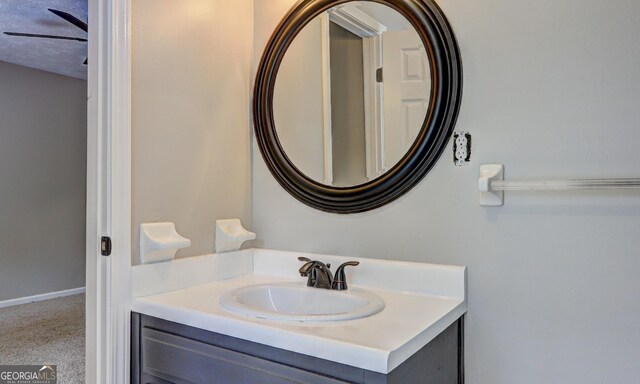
(356, 100)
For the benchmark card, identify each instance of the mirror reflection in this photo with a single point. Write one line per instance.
(352, 93)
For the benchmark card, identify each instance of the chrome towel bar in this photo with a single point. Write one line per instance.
(492, 184)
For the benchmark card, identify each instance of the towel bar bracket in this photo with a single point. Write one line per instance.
(489, 174)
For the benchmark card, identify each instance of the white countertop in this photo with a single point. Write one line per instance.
(412, 317)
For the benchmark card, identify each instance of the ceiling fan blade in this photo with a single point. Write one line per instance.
(72, 19)
(44, 36)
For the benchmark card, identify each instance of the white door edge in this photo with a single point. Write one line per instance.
(108, 192)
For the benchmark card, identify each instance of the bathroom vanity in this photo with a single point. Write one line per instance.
(183, 332)
(249, 317)
(168, 352)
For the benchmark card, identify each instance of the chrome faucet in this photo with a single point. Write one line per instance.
(319, 274)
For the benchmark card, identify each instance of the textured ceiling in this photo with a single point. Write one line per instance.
(31, 16)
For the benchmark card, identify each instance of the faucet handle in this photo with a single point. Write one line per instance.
(309, 270)
(340, 279)
(308, 260)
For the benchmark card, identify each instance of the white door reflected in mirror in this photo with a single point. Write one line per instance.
(352, 93)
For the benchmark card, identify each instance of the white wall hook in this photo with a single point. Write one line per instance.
(230, 235)
(160, 242)
(489, 173)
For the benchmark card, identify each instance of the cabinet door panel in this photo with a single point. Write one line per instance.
(181, 360)
(337, 371)
(148, 379)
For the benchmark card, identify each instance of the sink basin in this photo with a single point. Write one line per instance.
(297, 302)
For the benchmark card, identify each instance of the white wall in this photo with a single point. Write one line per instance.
(43, 152)
(190, 118)
(551, 90)
(348, 139)
(298, 102)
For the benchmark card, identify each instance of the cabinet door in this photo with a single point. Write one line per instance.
(148, 379)
(180, 360)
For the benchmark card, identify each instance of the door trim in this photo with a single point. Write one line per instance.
(108, 191)
(373, 107)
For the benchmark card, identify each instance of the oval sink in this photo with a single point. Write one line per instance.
(297, 302)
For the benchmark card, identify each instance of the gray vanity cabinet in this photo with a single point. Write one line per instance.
(167, 352)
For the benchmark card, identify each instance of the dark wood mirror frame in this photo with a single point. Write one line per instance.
(446, 92)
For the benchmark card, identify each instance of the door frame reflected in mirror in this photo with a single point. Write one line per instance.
(370, 31)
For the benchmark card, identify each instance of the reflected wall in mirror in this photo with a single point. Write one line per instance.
(352, 93)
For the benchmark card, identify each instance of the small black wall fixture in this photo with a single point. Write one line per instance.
(446, 76)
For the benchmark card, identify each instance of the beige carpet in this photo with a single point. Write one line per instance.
(47, 332)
